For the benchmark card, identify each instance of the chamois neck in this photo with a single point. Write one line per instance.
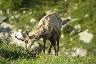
(35, 35)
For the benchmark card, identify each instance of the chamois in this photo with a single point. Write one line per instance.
(49, 28)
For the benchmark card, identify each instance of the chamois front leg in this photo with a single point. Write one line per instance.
(28, 45)
(26, 42)
(27, 50)
(44, 41)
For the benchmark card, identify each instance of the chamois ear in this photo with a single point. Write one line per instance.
(26, 32)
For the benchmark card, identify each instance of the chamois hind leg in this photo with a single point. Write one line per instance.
(53, 43)
(54, 46)
(58, 44)
(50, 49)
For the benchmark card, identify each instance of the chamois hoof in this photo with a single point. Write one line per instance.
(31, 53)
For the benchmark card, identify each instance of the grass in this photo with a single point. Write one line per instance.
(12, 54)
(58, 60)
(45, 59)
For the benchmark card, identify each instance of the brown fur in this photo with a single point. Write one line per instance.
(48, 28)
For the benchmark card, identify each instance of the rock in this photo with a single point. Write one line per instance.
(4, 35)
(62, 36)
(32, 20)
(65, 0)
(86, 15)
(6, 25)
(85, 36)
(17, 15)
(77, 27)
(15, 40)
(75, 7)
(8, 11)
(1, 19)
(37, 48)
(79, 52)
(5, 30)
(1, 12)
(24, 12)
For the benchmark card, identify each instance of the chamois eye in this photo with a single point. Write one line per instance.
(31, 37)
(26, 41)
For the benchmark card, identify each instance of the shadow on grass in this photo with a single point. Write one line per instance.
(13, 55)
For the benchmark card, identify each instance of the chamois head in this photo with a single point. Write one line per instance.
(25, 37)
(29, 40)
